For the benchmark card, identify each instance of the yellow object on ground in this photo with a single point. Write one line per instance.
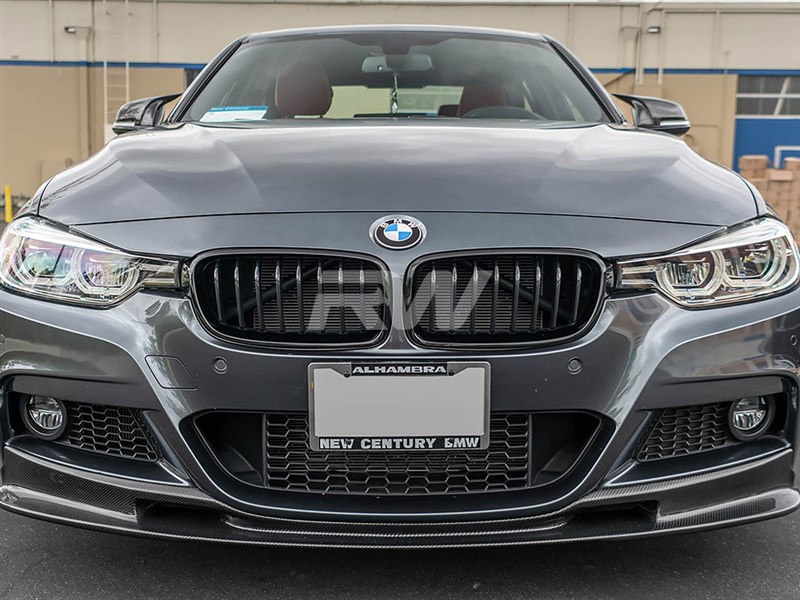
(9, 207)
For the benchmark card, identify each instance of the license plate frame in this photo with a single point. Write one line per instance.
(345, 397)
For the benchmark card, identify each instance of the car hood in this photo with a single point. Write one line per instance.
(194, 170)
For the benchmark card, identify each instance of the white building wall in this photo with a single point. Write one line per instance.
(694, 36)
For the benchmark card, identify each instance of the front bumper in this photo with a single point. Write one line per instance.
(643, 355)
(725, 497)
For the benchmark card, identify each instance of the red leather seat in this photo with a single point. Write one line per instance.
(480, 96)
(303, 90)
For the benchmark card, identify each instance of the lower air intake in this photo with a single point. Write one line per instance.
(110, 430)
(272, 451)
(687, 430)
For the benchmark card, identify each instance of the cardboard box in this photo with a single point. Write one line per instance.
(778, 191)
(783, 209)
(779, 186)
(760, 185)
(780, 175)
(782, 199)
(751, 174)
(791, 164)
(753, 162)
(794, 225)
(784, 204)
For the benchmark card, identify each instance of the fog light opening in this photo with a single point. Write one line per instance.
(45, 417)
(749, 418)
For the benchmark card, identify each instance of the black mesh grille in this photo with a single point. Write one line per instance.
(294, 299)
(111, 430)
(504, 298)
(687, 430)
(292, 465)
(272, 451)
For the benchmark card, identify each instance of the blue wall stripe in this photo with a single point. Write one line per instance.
(779, 72)
(80, 63)
(180, 65)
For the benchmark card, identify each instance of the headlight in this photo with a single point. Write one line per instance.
(755, 260)
(39, 259)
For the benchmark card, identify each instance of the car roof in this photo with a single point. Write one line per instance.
(349, 29)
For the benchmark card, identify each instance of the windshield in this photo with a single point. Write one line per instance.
(393, 75)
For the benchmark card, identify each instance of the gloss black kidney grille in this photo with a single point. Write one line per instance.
(293, 298)
(504, 298)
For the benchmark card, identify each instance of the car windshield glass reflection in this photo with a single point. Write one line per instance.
(395, 76)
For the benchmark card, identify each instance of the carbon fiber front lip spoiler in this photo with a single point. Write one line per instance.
(118, 506)
(747, 510)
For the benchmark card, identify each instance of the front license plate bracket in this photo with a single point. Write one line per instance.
(360, 406)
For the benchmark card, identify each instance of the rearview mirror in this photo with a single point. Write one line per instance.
(141, 114)
(657, 114)
(397, 63)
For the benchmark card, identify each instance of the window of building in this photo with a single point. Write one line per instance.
(768, 96)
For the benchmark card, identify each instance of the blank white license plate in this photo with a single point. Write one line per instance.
(398, 406)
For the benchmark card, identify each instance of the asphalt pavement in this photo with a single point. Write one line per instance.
(52, 562)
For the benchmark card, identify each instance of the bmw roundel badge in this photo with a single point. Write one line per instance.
(397, 232)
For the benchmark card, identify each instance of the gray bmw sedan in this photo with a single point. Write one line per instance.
(398, 287)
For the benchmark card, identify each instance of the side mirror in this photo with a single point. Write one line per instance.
(657, 114)
(141, 114)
